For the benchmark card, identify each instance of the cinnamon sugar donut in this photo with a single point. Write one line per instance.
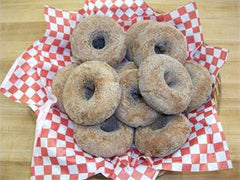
(164, 136)
(99, 38)
(132, 34)
(165, 84)
(159, 38)
(91, 93)
(202, 85)
(125, 66)
(108, 139)
(132, 109)
(59, 82)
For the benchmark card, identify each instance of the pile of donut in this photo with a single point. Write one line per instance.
(138, 102)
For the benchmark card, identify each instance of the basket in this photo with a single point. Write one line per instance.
(216, 94)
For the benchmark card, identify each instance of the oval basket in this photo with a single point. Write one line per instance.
(216, 95)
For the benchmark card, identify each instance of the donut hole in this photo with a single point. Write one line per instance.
(135, 93)
(160, 47)
(99, 40)
(89, 90)
(170, 79)
(111, 124)
(160, 123)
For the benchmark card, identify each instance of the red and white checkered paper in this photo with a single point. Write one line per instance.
(56, 155)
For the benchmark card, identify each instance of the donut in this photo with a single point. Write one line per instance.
(202, 85)
(165, 84)
(132, 109)
(107, 139)
(164, 136)
(59, 82)
(91, 93)
(159, 38)
(132, 34)
(125, 66)
(99, 38)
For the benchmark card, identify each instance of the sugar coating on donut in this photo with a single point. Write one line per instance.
(93, 108)
(132, 109)
(99, 38)
(164, 136)
(59, 82)
(159, 38)
(165, 84)
(132, 34)
(202, 85)
(104, 143)
(125, 66)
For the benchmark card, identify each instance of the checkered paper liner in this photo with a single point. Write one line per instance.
(56, 155)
